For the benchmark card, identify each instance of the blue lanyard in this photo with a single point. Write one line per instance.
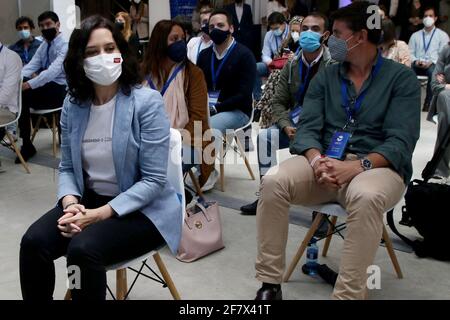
(169, 81)
(215, 74)
(26, 55)
(1, 48)
(47, 64)
(358, 102)
(425, 46)
(304, 84)
(282, 37)
(198, 49)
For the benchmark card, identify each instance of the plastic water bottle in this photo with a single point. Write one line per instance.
(312, 254)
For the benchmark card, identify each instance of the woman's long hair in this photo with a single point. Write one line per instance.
(156, 52)
(126, 32)
(81, 89)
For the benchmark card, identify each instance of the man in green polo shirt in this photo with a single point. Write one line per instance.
(355, 139)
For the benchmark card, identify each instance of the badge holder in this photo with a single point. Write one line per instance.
(339, 141)
(294, 115)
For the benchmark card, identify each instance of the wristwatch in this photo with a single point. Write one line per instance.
(366, 164)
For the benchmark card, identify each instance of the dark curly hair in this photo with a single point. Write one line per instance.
(81, 89)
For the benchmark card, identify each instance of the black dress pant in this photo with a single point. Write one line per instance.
(49, 96)
(98, 245)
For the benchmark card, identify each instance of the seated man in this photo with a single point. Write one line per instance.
(229, 69)
(424, 47)
(441, 105)
(10, 67)
(290, 93)
(48, 89)
(355, 139)
(27, 45)
(202, 41)
(279, 31)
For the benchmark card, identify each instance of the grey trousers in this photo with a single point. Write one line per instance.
(443, 109)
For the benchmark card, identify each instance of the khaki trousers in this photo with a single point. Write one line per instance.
(366, 198)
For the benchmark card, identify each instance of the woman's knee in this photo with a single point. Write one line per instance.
(81, 250)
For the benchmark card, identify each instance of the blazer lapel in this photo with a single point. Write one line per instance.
(123, 117)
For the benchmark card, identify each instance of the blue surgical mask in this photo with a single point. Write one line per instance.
(24, 34)
(177, 51)
(310, 41)
(278, 32)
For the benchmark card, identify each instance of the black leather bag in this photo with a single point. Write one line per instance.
(427, 208)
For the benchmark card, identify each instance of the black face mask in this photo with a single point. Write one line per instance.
(49, 34)
(120, 25)
(177, 51)
(238, 1)
(219, 36)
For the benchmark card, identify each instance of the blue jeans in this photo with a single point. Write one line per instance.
(269, 141)
(429, 73)
(224, 121)
(261, 71)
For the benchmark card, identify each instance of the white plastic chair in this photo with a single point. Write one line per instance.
(10, 138)
(175, 178)
(228, 139)
(335, 210)
(54, 127)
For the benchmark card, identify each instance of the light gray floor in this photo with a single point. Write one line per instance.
(227, 274)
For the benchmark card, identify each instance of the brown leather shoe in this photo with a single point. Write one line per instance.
(269, 294)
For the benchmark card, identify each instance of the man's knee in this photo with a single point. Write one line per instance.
(365, 198)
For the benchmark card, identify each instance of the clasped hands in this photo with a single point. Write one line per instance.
(334, 173)
(76, 218)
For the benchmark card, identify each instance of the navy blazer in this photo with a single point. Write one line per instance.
(140, 147)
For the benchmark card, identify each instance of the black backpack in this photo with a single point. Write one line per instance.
(427, 208)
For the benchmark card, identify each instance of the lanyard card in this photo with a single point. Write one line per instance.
(338, 144)
(213, 98)
(295, 114)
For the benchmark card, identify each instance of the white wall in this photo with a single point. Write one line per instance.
(159, 10)
(8, 14)
(66, 11)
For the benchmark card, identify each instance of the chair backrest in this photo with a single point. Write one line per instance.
(174, 167)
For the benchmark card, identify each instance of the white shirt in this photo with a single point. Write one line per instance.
(239, 10)
(10, 71)
(315, 61)
(96, 150)
(195, 46)
(221, 56)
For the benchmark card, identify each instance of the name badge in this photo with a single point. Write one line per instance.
(295, 114)
(213, 98)
(338, 144)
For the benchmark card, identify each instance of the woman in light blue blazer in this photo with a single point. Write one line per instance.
(114, 203)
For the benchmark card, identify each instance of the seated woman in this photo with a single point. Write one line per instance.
(123, 22)
(114, 201)
(183, 88)
(291, 45)
(394, 49)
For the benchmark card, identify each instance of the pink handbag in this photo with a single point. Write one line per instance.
(202, 232)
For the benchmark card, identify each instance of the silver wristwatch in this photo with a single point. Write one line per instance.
(366, 164)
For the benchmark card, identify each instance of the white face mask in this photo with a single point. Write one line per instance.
(295, 36)
(137, 1)
(103, 69)
(428, 22)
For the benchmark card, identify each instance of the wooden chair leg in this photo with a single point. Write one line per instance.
(330, 235)
(121, 284)
(242, 150)
(17, 151)
(54, 132)
(36, 128)
(391, 252)
(68, 295)
(222, 168)
(166, 276)
(194, 180)
(303, 246)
